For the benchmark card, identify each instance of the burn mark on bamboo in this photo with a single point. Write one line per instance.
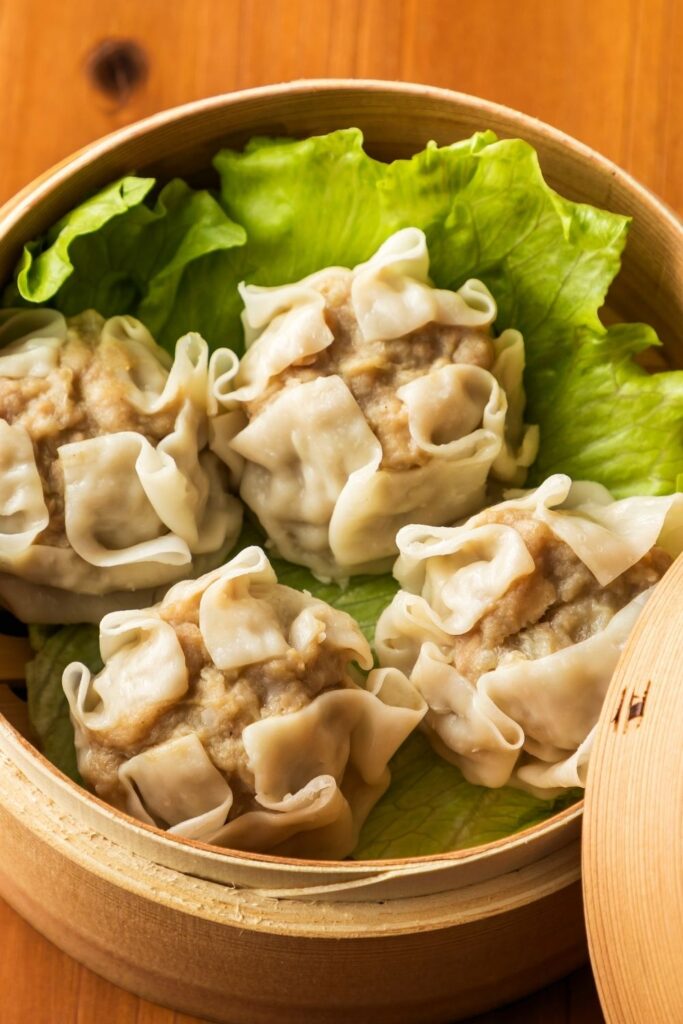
(116, 68)
(636, 708)
(615, 720)
(631, 708)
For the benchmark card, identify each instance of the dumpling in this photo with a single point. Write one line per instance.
(510, 626)
(230, 713)
(108, 486)
(371, 399)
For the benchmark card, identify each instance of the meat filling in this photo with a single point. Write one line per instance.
(84, 396)
(375, 370)
(559, 604)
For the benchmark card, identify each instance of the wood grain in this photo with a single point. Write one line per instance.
(606, 71)
(57, 990)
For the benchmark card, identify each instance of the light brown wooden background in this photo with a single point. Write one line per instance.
(606, 71)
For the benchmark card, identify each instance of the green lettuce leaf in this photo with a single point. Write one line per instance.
(430, 808)
(482, 203)
(133, 259)
(47, 705)
(47, 263)
(605, 418)
(289, 207)
(487, 213)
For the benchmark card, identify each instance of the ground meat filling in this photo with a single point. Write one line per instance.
(375, 370)
(220, 704)
(559, 604)
(85, 396)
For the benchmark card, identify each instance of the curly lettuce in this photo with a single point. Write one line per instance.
(118, 254)
(288, 207)
(430, 808)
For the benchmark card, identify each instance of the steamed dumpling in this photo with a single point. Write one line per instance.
(107, 483)
(230, 713)
(511, 625)
(371, 399)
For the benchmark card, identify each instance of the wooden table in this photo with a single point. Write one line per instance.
(606, 71)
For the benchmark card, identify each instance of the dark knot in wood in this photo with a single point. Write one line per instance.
(116, 67)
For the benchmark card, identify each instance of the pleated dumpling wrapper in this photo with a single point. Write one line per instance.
(108, 486)
(230, 713)
(511, 625)
(372, 399)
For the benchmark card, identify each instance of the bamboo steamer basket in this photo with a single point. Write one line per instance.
(247, 939)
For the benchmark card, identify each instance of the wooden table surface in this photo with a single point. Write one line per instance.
(606, 71)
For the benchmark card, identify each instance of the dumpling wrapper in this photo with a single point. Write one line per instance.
(545, 706)
(311, 465)
(122, 702)
(527, 722)
(23, 512)
(137, 516)
(317, 770)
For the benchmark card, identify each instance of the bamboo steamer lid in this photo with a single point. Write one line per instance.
(632, 847)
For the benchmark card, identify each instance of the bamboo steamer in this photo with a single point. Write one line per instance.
(247, 939)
